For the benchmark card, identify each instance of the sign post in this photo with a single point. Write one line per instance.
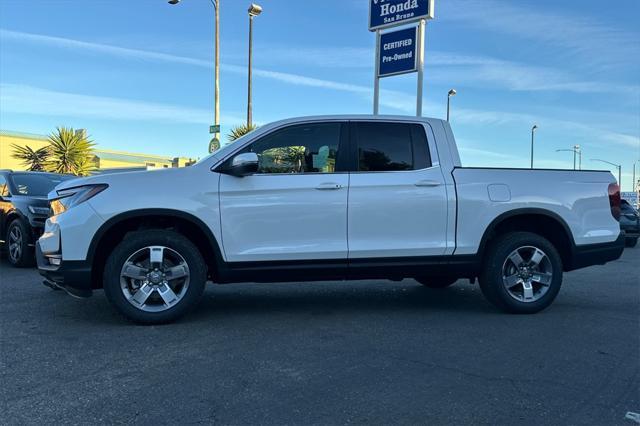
(401, 51)
(421, 29)
(376, 79)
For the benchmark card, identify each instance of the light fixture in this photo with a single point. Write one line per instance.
(254, 9)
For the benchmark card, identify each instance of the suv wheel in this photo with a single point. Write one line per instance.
(522, 273)
(436, 282)
(154, 277)
(19, 253)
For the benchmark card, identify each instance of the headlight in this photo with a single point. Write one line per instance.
(43, 211)
(71, 197)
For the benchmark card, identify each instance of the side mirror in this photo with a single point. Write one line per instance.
(242, 165)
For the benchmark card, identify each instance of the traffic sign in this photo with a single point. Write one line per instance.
(389, 13)
(214, 129)
(398, 52)
(214, 145)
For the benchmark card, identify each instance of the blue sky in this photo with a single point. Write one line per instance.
(138, 74)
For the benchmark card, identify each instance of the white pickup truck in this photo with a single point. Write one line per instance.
(328, 198)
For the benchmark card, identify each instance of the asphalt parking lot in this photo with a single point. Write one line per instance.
(372, 352)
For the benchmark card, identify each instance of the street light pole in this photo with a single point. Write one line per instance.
(533, 131)
(216, 67)
(254, 10)
(216, 71)
(576, 152)
(618, 166)
(451, 93)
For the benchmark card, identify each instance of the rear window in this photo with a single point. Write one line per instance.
(35, 185)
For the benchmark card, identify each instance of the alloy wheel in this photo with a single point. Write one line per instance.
(154, 278)
(527, 274)
(15, 244)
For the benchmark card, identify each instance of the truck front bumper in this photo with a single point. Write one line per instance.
(74, 277)
(596, 254)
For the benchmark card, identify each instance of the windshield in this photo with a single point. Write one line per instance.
(36, 185)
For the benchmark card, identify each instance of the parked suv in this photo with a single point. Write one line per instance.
(23, 211)
(328, 198)
(630, 223)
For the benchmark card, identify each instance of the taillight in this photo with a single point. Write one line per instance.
(614, 200)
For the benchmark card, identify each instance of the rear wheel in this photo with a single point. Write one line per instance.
(436, 282)
(522, 273)
(154, 277)
(19, 252)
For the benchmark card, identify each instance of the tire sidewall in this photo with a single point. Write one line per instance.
(491, 281)
(137, 241)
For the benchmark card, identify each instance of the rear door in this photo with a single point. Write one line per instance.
(295, 207)
(397, 196)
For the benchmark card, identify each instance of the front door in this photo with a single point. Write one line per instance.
(295, 207)
(397, 197)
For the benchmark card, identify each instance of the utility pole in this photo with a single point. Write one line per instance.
(254, 10)
(533, 132)
(451, 93)
(216, 73)
(618, 166)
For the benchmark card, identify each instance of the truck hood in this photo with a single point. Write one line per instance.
(145, 177)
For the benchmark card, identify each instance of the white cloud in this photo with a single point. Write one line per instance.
(25, 99)
(469, 70)
(594, 42)
(22, 99)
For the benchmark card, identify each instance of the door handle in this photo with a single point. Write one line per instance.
(329, 186)
(428, 183)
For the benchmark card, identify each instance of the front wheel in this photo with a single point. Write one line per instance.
(19, 252)
(522, 273)
(631, 242)
(154, 277)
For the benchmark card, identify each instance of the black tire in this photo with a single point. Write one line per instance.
(137, 241)
(631, 242)
(491, 277)
(437, 282)
(23, 255)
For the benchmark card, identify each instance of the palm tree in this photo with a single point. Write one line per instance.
(34, 160)
(70, 152)
(239, 131)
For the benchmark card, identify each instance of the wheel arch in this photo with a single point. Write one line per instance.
(117, 227)
(543, 222)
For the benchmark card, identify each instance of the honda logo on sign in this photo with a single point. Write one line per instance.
(388, 13)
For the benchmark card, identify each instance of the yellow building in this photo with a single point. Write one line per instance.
(105, 160)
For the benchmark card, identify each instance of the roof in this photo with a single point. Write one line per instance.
(131, 158)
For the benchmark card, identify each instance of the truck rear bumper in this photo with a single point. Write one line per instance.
(74, 277)
(596, 254)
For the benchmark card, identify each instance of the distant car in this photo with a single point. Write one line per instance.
(629, 223)
(23, 210)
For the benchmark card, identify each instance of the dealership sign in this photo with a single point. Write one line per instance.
(398, 52)
(387, 13)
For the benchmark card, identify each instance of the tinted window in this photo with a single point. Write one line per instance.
(4, 190)
(386, 147)
(626, 207)
(37, 185)
(307, 148)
